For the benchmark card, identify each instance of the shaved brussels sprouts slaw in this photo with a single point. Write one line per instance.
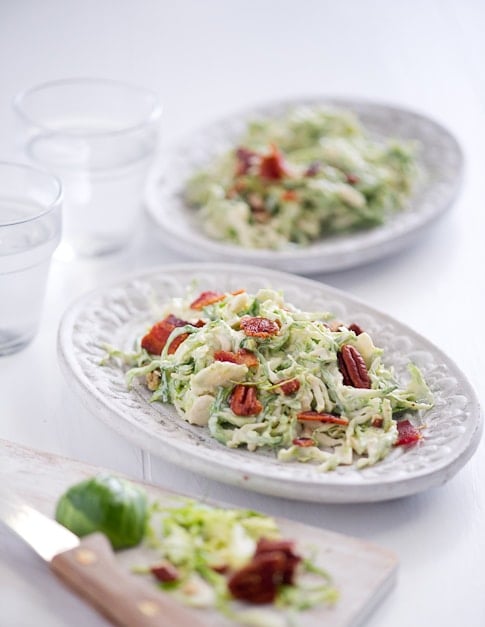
(232, 560)
(260, 373)
(310, 174)
(216, 549)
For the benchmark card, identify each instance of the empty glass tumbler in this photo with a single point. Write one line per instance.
(99, 137)
(30, 230)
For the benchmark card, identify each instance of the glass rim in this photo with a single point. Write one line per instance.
(153, 115)
(45, 210)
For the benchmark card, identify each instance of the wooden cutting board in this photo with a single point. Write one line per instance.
(362, 571)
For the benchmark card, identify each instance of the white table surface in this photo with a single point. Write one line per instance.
(206, 59)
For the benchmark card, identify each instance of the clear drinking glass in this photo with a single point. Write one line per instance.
(99, 137)
(30, 229)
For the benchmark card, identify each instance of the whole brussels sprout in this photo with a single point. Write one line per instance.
(107, 504)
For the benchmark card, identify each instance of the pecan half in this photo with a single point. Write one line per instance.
(322, 416)
(289, 387)
(206, 298)
(242, 356)
(244, 401)
(352, 366)
(259, 327)
(355, 328)
(165, 572)
(335, 325)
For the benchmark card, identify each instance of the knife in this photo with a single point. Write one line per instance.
(88, 566)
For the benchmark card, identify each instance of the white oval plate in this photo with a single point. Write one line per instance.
(440, 158)
(119, 314)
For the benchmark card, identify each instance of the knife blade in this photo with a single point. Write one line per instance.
(89, 567)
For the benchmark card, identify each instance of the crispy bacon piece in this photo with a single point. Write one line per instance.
(289, 195)
(355, 328)
(206, 298)
(245, 158)
(287, 547)
(407, 433)
(176, 342)
(304, 442)
(273, 564)
(247, 357)
(165, 572)
(377, 421)
(265, 544)
(226, 356)
(259, 327)
(273, 166)
(242, 356)
(258, 581)
(155, 340)
(244, 401)
(177, 322)
(289, 387)
(352, 367)
(322, 416)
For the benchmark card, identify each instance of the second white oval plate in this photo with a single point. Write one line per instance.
(120, 314)
(440, 158)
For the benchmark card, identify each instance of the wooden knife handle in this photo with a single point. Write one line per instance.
(92, 571)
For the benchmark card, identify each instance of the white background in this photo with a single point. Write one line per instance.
(207, 59)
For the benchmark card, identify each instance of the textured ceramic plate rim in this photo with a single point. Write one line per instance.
(183, 235)
(328, 487)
